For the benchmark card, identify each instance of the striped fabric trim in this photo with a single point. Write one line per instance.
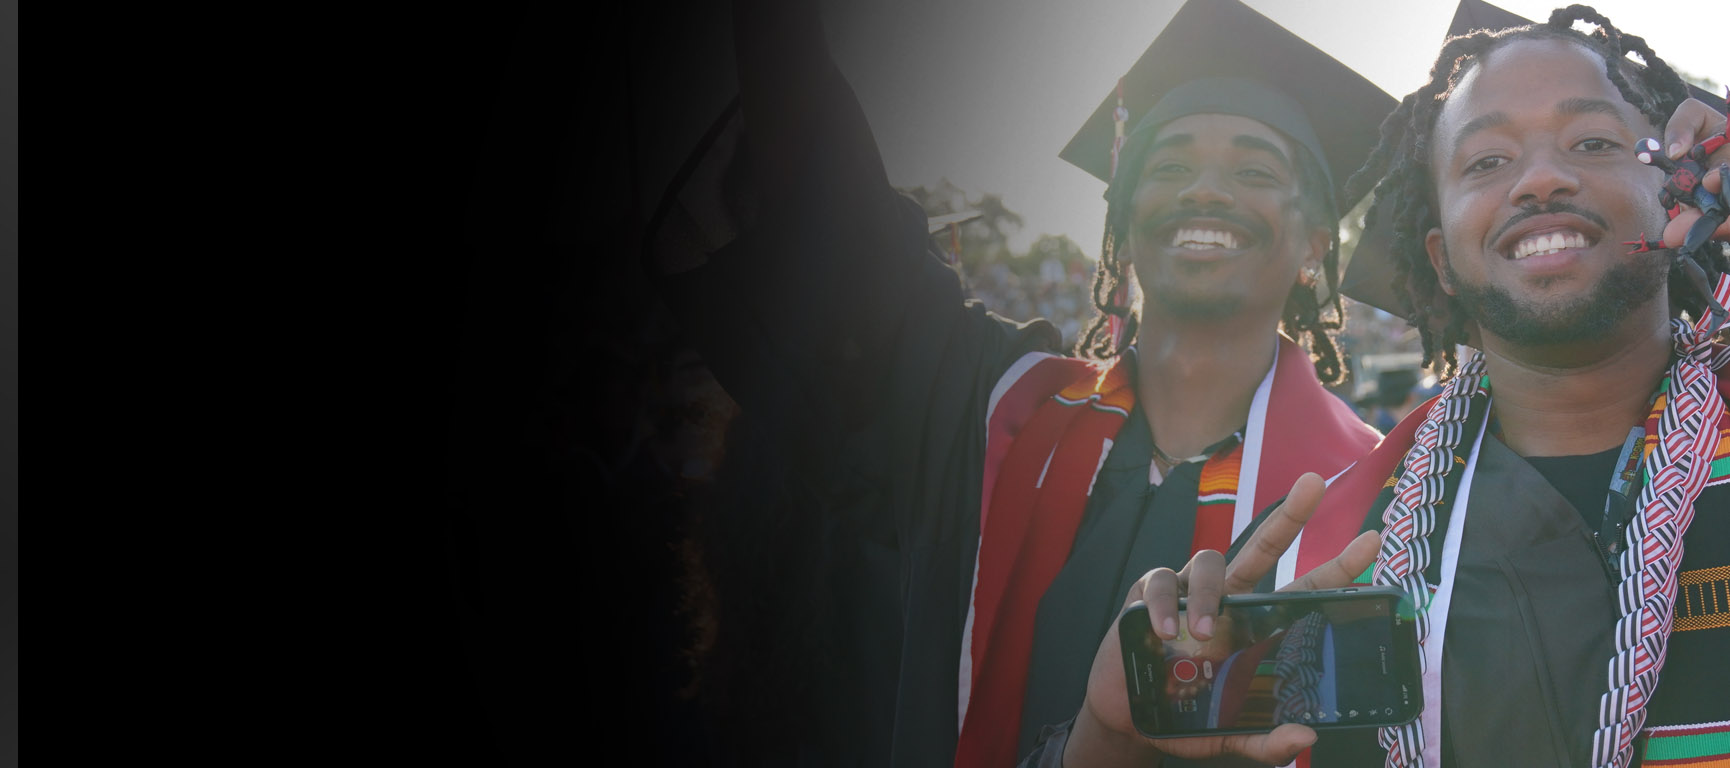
(1703, 599)
(1219, 478)
(1701, 744)
(1095, 401)
(1013, 376)
(1216, 500)
(1720, 472)
(1394, 479)
(1258, 705)
(1110, 392)
(1720, 761)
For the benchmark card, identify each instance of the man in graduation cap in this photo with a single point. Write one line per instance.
(989, 499)
(1562, 510)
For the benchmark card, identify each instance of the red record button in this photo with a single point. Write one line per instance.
(1184, 670)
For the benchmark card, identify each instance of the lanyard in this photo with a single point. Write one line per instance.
(1619, 504)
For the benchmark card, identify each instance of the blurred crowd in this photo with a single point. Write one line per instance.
(1056, 290)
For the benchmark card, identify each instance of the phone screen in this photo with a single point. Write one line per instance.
(1327, 659)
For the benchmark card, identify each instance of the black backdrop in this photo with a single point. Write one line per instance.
(542, 626)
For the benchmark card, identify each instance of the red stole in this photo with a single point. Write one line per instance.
(1340, 515)
(1057, 421)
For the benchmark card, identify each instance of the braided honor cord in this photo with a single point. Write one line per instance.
(1408, 521)
(1297, 671)
(1676, 470)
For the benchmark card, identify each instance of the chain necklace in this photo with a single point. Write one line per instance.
(1167, 461)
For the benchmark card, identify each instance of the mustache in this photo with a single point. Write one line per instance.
(1559, 206)
(1256, 228)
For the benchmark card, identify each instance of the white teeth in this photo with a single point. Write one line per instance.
(1538, 245)
(1197, 239)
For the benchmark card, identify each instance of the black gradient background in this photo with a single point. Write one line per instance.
(539, 623)
(9, 384)
(515, 599)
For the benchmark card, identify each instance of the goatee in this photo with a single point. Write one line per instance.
(1625, 286)
(1190, 306)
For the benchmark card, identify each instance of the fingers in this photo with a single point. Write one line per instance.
(1691, 122)
(1345, 568)
(1677, 229)
(1203, 578)
(1160, 591)
(1277, 747)
(1676, 232)
(1276, 533)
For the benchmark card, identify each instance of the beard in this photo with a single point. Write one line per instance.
(1192, 304)
(1621, 289)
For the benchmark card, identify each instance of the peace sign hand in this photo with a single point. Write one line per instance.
(1104, 733)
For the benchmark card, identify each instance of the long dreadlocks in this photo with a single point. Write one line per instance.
(1303, 312)
(1405, 190)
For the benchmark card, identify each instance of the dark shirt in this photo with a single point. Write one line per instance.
(1531, 622)
(1582, 480)
(1130, 526)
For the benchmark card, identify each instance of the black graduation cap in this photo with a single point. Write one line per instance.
(1477, 14)
(1222, 56)
(1370, 274)
(936, 224)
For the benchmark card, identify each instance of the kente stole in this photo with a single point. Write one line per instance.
(1043, 453)
(1341, 515)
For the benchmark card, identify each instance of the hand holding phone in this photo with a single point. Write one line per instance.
(1104, 732)
(1339, 658)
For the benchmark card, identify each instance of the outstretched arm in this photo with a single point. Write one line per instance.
(803, 277)
(797, 105)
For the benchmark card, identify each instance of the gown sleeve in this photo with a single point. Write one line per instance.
(810, 288)
(809, 285)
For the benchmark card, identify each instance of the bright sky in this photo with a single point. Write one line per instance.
(986, 92)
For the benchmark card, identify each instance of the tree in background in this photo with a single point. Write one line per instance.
(1050, 279)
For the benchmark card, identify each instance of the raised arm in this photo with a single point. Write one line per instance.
(807, 282)
(798, 105)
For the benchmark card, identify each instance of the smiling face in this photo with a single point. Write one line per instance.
(1217, 229)
(1537, 190)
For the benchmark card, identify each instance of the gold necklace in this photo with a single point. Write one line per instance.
(1160, 456)
(1169, 462)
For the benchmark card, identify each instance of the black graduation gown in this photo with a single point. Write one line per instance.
(837, 330)
(1530, 628)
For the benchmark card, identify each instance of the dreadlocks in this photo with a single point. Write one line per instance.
(1405, 190)
(1302, 313)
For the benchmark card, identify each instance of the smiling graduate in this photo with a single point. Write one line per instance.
(986, 497)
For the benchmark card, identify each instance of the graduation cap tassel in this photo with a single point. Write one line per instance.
(1119, 118)
(1115, 324)
(1120, 296)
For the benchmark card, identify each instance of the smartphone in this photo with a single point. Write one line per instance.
(1335, 658)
